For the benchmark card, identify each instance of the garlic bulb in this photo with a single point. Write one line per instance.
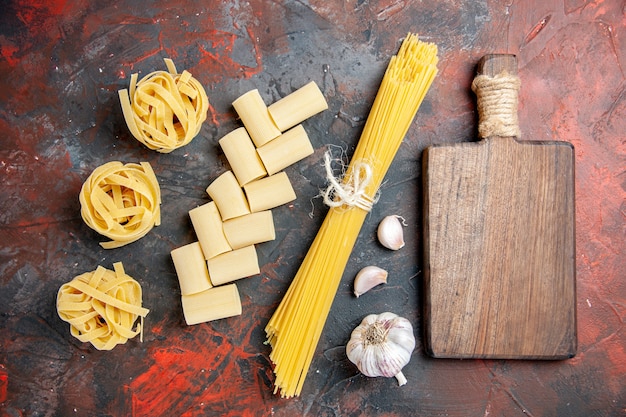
(367, 278)
(382, 345)
(390, 233)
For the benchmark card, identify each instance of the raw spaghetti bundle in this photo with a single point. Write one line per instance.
(295, 328)
(164, 110)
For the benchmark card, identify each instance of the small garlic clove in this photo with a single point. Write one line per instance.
(367, 278)
(390, 233)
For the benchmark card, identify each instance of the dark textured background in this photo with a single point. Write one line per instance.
(62, 63)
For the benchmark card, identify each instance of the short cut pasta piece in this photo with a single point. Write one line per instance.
(207, 223)
(228, 196)
(242, 156)
(121, 201)
(287, 149)
(102, 306)
(250, 229)
(213, 304)
(298, 106)
(191, 269)
(254, 115)
(269, 192)
(234, 265)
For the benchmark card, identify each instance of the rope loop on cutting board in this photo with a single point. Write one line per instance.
(497, 99)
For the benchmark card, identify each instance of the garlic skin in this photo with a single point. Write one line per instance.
(382, 345)
(390, 233)
(367, 278)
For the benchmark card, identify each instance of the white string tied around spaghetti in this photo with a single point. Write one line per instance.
(349, 192)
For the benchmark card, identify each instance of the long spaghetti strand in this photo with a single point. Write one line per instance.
(296, 326)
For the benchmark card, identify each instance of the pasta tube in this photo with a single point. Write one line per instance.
(207, 223)
(254, 115)
(212, 304)
(269, 192)
(242, 156)
(287, 149)
(298, 106)
(228, 196)
(250, 229)
(191, 269)
(233, 265)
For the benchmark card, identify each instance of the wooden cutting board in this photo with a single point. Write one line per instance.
(499, 239)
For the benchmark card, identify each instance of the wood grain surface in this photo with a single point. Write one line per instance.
(499, 246)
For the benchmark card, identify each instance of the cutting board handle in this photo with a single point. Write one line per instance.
(496, 86)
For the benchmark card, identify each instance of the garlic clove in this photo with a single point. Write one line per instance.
(390, 233)
(367, 278)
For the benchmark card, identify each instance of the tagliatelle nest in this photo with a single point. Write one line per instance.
(121, 201)
(102, 306)
(164, 110)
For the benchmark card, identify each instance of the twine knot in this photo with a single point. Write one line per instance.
(497, 99)
(350, 191)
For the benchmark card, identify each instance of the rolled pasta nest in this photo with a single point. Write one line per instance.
(164, 110)
(102, 306)
(121, 201)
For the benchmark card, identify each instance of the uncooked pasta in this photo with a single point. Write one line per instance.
(121, 202)
(164, 110)
(102, 306)
(295, 328)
